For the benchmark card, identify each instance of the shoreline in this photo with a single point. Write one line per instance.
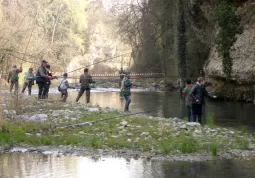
(38, 127)
(127, 154)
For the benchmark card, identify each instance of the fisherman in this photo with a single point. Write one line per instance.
(41, 78)
(198, 93)
(63, 86)
(48, 81)
(29, 81)
(13, 77)
(125, 88)
(122, 75)
(85, 81)
(188, 99)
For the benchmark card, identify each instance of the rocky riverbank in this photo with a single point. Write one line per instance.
(33, 126)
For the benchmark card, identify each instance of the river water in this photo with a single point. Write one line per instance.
(17, 165)
(169, 104)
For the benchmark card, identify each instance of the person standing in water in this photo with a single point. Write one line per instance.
(126, 89)
(188, 99)
(85, 81)
(29, 81)
(198, 94)
(64, 85)
(41, 78)
(13, 77)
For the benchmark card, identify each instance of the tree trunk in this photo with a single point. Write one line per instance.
(55, 24)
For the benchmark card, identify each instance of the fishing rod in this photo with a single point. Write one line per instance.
(97, 63)
(106, 119)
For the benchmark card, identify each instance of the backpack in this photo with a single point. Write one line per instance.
(59, 87)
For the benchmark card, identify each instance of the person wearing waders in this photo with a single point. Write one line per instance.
(41, 78)
(125, 88)
(122, 75)
(29, 81)
(13, 77)
(198, 93)
(48, 82)
(85, 81)
(188, 99)
(63, 86)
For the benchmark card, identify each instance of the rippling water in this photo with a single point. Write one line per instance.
(44, 166)
(169, 104)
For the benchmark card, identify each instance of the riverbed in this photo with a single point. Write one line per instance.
(170, 104)
(48, 166)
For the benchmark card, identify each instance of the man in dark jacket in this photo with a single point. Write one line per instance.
(41, 78)
(198, 94)
(85, 81)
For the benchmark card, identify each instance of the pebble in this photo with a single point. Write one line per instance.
(144, 134)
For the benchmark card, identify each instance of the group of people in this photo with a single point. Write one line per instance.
(194, 99)
(43, 79)
(194, 95)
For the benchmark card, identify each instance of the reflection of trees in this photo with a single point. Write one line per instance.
(219, 169)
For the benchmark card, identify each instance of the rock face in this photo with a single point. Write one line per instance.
(243, 54)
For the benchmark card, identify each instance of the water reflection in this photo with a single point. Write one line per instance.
(41, 166)
(169, 104)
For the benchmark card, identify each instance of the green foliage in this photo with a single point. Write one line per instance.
(214, 148)
(244, 129)
(181, 42)
(229, 24)
(166, 147)
(210, 120)
(188, 145)
(241, 143)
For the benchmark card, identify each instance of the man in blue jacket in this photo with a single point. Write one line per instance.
(198, 94)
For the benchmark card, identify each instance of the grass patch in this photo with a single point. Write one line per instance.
(242, 144)
(210, 120)
(214, 148)
(244, 129)
(188, 145)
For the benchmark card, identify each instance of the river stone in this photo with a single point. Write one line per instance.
(38, 134)
(6, 112)
(183, 126)
(137, 140)
(129, 140)
(57, 113)
(197, 131)
(193, 124)
(144, 134)
(230, 134)
(94, 110)
(28, 134)
(124, 123)
(115, 136)
(38, 117)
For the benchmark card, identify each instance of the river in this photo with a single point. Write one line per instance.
(169, 104)
(47, 166)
